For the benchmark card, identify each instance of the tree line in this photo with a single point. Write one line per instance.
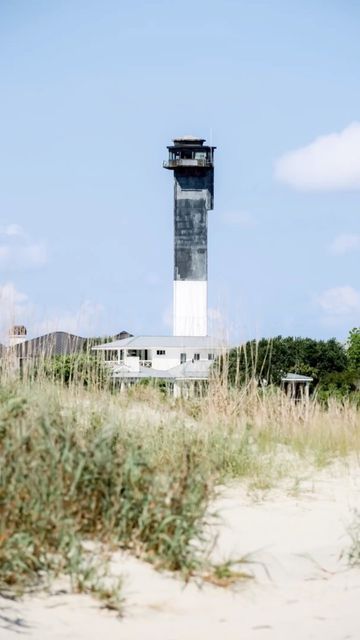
(334, 366)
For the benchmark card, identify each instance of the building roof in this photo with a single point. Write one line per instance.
(296, 377)
(57, 343)
(122, 335)
(188, 140)
(164, 342)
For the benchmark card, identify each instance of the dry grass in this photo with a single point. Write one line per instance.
(137, 469)
(274, 423)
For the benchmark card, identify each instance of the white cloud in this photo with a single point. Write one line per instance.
(15, 308)
(345, 243)
(12, 230)
(35, 255)
(339, 301)
(14, 257)
(330, 162)
(86, 320)
(239, 218)
(18, 252)
(10, 296)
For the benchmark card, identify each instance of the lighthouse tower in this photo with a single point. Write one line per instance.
(193, 166)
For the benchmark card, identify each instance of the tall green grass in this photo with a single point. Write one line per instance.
(137, 470)
(61, 484)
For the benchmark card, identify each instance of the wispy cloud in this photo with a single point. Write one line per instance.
(18, 251)
(12, 230)
(339, 301)
(18, 258)
(330, 162)
(238, 218)
(85, 320)
(16, 308)
(345, 243)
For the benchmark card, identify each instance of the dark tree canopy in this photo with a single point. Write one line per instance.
(353, 352)
(270, 359)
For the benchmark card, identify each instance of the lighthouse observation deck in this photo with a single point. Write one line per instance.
(178, 163)
(189, 153)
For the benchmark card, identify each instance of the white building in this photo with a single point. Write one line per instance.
(172, 358)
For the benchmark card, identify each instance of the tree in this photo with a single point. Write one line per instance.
(271, 359)
(83, 369)
(353, 350)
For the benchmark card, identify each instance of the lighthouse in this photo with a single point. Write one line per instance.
(193, 165)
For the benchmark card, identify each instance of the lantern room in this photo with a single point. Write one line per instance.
(189, 152)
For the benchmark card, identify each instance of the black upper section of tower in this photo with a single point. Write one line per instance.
(193, 166)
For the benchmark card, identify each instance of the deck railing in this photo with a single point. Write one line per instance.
(187, 162)
(146, 363)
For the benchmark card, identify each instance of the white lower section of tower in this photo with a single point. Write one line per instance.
(190, 308)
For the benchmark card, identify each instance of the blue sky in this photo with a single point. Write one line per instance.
(91, 94)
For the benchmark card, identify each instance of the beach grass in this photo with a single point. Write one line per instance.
(138, 470)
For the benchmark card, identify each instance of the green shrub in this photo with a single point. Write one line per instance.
(60, 485)
(84, 369)
(338, 385)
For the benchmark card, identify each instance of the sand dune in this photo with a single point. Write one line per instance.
(302, 589)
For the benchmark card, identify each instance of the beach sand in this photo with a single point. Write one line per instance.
(302, 588)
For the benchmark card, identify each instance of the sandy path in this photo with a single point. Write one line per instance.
(308, 594)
